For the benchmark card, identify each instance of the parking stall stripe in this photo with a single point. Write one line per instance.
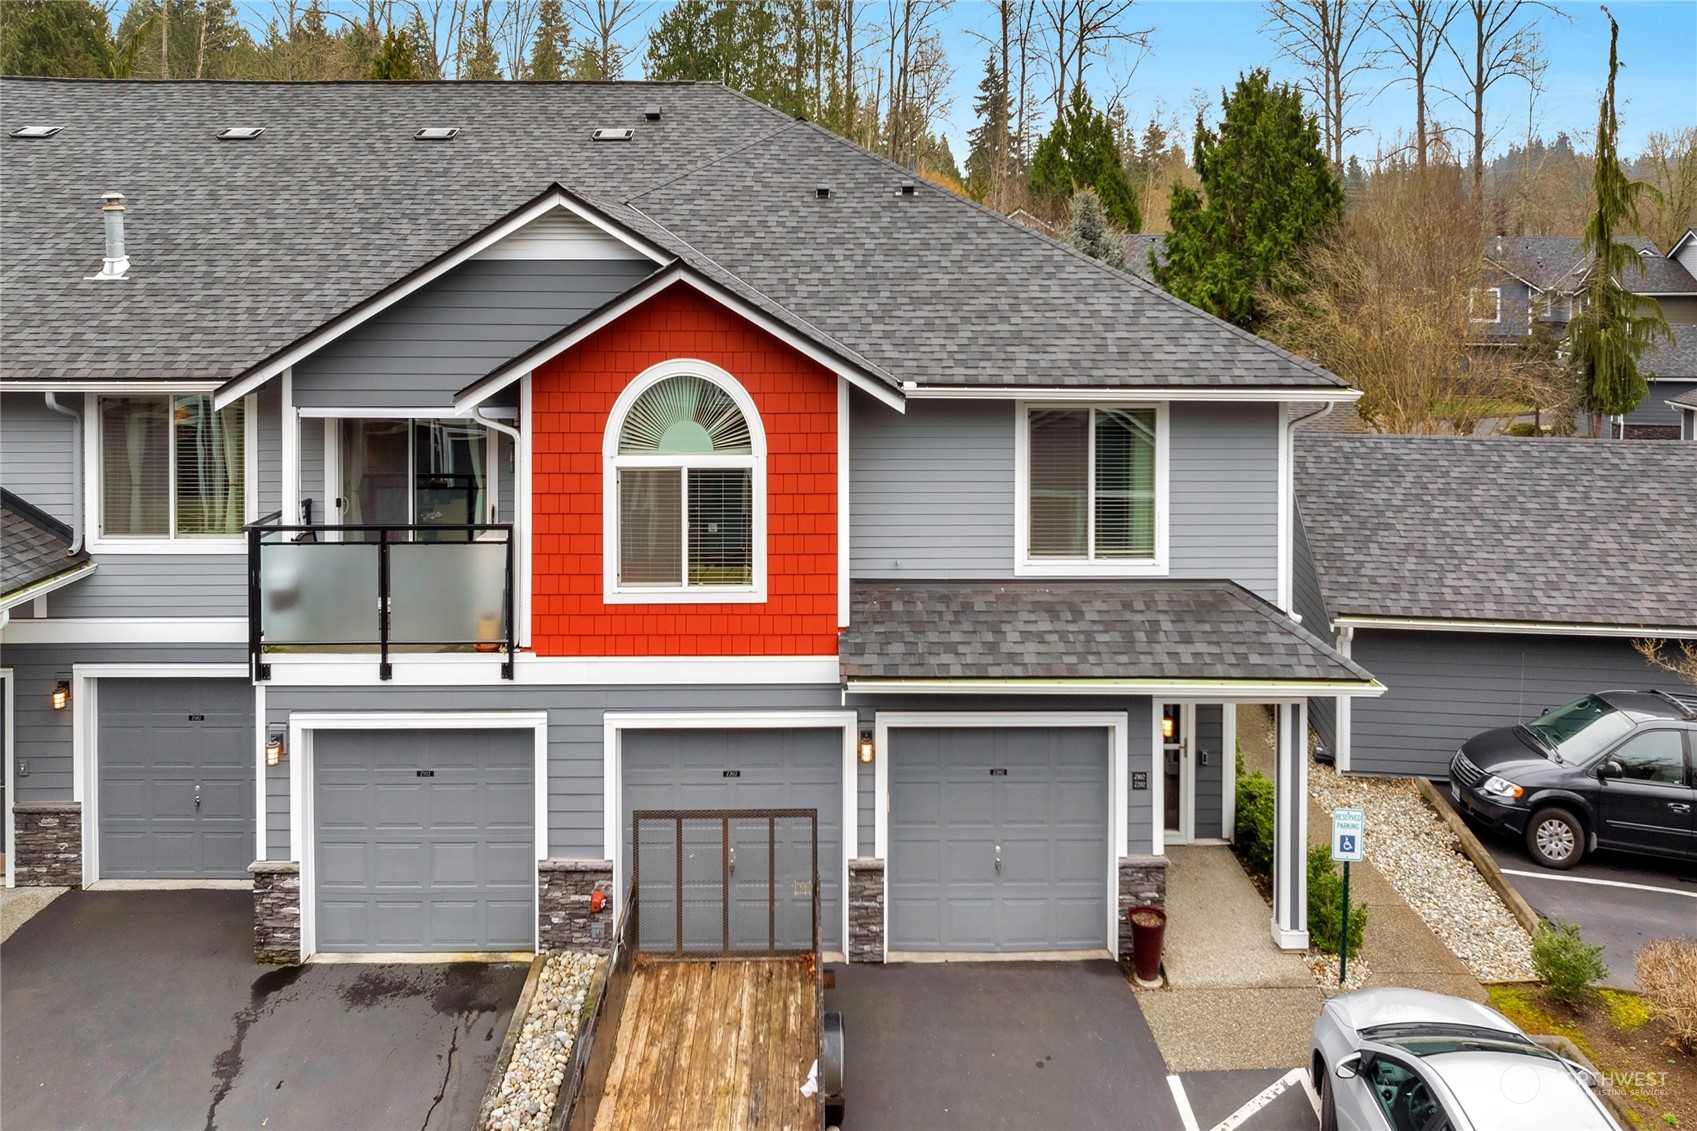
(1268, 1094)
(1183, 1102)
(1598, 883)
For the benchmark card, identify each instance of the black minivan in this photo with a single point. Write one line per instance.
(1617, 769)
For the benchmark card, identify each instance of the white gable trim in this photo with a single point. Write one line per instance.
(312, 343)
(475, 394)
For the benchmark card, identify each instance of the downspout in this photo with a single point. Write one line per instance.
(506, 429)
(76, 474)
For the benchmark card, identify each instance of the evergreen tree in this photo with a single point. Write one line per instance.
(987, 142)
(198, 39)
(1615, 326)
(1354, 176)
(396, 59)
(1082, 151)
(478, 58)
(553, 42)
(61, 38)
(1267, 191)
(1089, 231)
(742, 43)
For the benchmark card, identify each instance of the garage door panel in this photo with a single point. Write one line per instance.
(452, 864)
(1045, 806)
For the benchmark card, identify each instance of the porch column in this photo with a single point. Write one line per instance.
(1290, 826)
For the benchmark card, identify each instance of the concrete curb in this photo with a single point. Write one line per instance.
(1475, 851)
(515, 1026)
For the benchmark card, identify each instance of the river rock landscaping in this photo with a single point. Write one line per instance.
(1418, 854)
(525, 1100)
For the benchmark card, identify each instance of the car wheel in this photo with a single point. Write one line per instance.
(1328, 1101)
(1555, 838)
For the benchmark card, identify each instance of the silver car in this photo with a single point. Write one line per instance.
(1408, 1060)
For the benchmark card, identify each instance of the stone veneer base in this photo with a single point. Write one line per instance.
(563, 893)
(276, 911)
(1143, 883)
(47, 844)
(866, 909)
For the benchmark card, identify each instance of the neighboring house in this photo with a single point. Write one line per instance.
(1686, 405)
(1139, 247)
(1486, 581)
(633, 447)
(1534, 287)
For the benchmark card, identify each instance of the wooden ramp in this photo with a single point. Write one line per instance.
(720, 1044)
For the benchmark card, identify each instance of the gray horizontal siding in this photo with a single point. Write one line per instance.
(37, 446)
(1654, 408)
(430, 345)
(157, 585)
(1445, 687)
(1223, 471)
(42, 736)
(931, 492)
(1310, 605)
(312, 471)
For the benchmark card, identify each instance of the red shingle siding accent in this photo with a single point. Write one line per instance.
(797, 400)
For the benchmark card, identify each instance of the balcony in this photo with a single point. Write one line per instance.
(388, 590)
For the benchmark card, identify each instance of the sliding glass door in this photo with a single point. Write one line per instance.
(415, 472)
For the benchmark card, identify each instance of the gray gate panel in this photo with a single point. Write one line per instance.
(777, 769)
(161, 740)
(950, 810)
(424, 840)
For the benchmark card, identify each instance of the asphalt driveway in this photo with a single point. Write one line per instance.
(146, 1010)
(1054, 1045)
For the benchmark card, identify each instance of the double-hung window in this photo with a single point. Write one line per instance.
(686, 507)
(1093, 486)
(171, 468)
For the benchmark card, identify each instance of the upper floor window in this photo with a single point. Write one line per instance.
(686, 489)
(171, 468)
(1093, 485)
(1485, 304)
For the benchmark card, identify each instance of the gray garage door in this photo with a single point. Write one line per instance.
(745, 769)
(1039, 799)
(176, 778)
(425, 840)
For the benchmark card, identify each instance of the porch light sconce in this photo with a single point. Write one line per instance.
(1166, 726)
(866, 748)
(62, 695)
(275, 752)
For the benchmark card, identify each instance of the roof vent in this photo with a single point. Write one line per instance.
(240, 133)
(652, 112)
(437, 133)
(906, 188)
(36, 131)
(613, 135)
(823, 192)
(117, 262)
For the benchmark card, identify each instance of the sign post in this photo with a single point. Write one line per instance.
(1349, 827)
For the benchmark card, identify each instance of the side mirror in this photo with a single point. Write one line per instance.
(1349, 1067)
(1610, 769)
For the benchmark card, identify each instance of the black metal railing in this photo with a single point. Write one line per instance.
(381, 588)
(692, 897)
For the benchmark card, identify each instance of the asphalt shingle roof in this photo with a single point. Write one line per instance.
(1564, 531)
(33, 546)
(1687, 399)
(1557, 263)
(1064, 630)
(240, 248)
(1675, 359)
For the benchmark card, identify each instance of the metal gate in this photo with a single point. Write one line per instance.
(708, 883)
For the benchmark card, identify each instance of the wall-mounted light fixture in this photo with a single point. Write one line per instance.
(275, 751)
(1166, 726)
(866, 748)
(62, 695)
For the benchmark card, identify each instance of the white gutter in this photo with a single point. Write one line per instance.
(150, 385)
(43, 588)
(1097, 393)
(1439, 624)
(76, 472)
(1219, 689)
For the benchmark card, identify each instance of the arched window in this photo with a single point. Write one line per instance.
(686, 488)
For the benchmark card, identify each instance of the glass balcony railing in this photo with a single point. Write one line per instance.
(383, 589)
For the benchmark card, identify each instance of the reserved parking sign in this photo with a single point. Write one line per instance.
(1349, 826)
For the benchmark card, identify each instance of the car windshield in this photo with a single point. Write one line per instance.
(1579, 730)
(1436, 1044)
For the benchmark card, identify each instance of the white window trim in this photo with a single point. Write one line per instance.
(1024, 565)
(302, 836)
(612, 593)
(93, 483)
(1496, 293)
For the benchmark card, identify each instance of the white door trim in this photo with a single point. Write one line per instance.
(1115, 722)
(615, 723)
(85, 737)
(302, 726)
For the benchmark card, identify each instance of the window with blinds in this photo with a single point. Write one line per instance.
(685, 474)
(171, 467)
(1092, 483)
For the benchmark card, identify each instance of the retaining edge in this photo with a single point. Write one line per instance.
(515, 1026)
(1476, 852)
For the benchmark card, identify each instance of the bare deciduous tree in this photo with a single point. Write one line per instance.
(1079, 31)
(1498, 39)
(1324, 38)
(1670, 164)
(601, 23)
(1681, 659)
(1415, 31)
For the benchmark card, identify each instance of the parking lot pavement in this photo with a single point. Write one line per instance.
(1250, 1101)
(1027, 1045)
(146, 1009)
(1619, 900)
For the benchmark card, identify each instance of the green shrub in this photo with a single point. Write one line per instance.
(1565, 963)
(1253, 834)
(1325, 904)
(1523, 428)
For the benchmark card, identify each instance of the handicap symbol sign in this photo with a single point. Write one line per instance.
(1349, 826)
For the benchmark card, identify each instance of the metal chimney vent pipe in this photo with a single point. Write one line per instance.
(117, 262)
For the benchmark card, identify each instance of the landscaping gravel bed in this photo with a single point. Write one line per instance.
(532, 1083)
(1325, 970)
(1418, 854)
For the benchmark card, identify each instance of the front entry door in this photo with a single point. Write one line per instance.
(1177, 754)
